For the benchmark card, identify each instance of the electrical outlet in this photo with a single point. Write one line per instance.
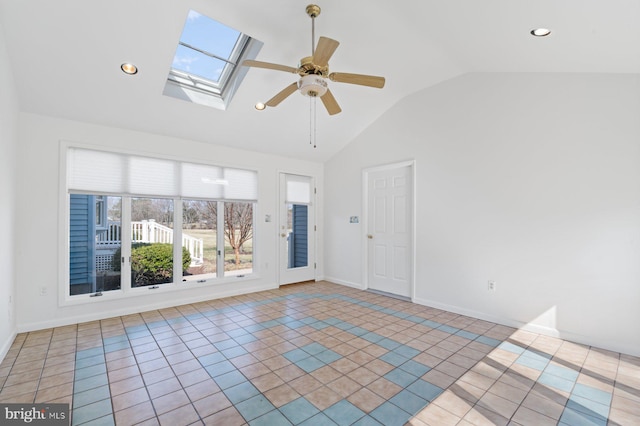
(491, 286)
(43, 291)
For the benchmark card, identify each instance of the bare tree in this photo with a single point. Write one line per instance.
(238, 226)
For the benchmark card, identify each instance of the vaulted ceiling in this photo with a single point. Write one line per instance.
(66, 56)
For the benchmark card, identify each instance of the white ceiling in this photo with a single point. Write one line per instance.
(66, 57)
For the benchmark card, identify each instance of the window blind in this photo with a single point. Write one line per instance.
(114, 173)
(298, 189)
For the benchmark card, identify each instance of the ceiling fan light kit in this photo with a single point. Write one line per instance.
(312, 86)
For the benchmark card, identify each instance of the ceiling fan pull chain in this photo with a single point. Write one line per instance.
(315, 117)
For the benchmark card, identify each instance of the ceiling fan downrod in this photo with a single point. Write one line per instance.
(313, 10)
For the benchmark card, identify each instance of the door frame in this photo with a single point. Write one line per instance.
(312, 225)
(365, 220)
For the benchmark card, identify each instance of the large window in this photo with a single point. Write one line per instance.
(139, 222)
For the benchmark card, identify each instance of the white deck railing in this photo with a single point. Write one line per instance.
(149, 231)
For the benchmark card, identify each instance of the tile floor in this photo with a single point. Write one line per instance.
(317, 354)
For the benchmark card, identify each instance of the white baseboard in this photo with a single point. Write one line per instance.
(40, 325)
(534, 328)
(345, 283)
(7, 345)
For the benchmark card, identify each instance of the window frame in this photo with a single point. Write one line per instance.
(126, 291)
(200, 90)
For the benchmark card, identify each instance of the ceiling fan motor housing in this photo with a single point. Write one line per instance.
(312, 85)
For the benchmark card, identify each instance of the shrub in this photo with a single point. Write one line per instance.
(152, 263)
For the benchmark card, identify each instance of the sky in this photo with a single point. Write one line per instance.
(208, 35)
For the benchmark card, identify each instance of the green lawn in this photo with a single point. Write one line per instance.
(209, 238)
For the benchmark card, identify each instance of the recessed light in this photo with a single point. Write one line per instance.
(260, 106)
(128, 68)
(540, 32)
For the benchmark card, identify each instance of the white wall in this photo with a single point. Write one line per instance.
(8, 143)
(39, 195)
(531, 180)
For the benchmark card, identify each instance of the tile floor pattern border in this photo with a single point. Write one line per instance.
(317, 354)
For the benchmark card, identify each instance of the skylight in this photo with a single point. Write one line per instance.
(206, 66)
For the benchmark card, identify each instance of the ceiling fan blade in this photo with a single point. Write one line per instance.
(269, 66)
(361, 79)
(282, 95)
(330, 103)
(324, 51)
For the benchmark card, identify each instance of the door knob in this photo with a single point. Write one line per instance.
(283, 235)
(370, 237)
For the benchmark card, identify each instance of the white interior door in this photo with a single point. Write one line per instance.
(390, 230)
(296, 229)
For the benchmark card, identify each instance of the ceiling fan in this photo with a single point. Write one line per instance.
(314, 71)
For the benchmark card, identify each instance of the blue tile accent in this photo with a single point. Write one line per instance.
(372, 337)
(467, 334)
(115, 339)
(94, 370)
(510, 347)
(92, 411)
(237, 332)
(272, 418)
(358, 331)
(343, 326)
(254, 407)
(425, 390)
(431, 324)
(230, 379)
(241, 392)
(535, 363)
(344, 413)
(313, 348)
(319, 419)
(587, 406)
(572, 418)
(90, 361)
(310, 364)
(415, 368)
(86, 353)
(207, 360)
(556, 382)
(225, 344)
(299, 410)
(139, 334)
(107, 420)
(90, 383)
(80, 399)
(406, 351)
(488, 341)
(296, 355)
(319, 325)
(234, 352)
(328, 356)
(597, 395)
(244, 339)
(388, 344)
(448, 329)
(220, 368)
(408, 401)
(390, 415)
(394, 359)
(563, 372)
(367, 421)
(400, 377)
